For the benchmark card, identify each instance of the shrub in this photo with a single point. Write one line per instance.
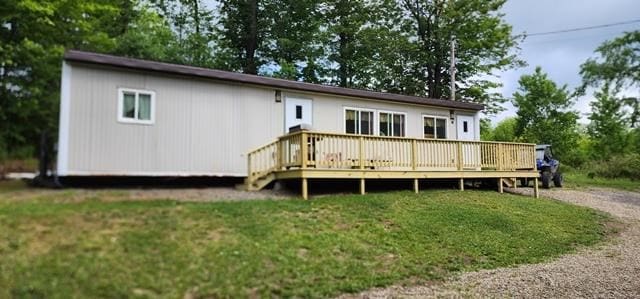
(619, 166)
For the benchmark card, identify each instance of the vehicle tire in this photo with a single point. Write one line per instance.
(524, 182)
(557, 179)
(546, 179)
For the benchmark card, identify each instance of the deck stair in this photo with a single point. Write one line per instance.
(257, 183)
(510, 182)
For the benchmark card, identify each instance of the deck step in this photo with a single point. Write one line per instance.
(259, 183)
(509, 182)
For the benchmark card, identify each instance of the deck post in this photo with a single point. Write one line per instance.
(500, 187)
(499, 156)
(304, 150)
(279, 154)
(362, 186)
(461, 184)
(416, 186)
(414, 154)
(305, 189)
(536, 192)
(460, 163)
(249, 172)
(361, 151)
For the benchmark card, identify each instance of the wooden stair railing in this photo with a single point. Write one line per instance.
(261, 163)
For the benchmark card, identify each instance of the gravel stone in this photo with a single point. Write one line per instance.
(611, 270)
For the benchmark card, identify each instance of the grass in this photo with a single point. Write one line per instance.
(576, 179)
(317, 248)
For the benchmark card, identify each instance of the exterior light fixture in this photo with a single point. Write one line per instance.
(278, 96)
(451, 116)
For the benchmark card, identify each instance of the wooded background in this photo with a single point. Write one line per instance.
(398, 46)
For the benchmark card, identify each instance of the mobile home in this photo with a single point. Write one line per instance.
(128, 117)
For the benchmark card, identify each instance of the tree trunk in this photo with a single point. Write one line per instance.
(251, 41)
(343, 71)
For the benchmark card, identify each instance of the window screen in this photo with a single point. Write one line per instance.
(366, 122)
(435, 127)
(128, 105)
(429, 127)
(144, 106)
(351, 119)
(441, 128)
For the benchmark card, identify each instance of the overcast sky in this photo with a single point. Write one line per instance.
(560, 55)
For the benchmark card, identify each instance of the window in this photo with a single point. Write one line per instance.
(298, 112)
(136, 106)
(358, 121)
(465, 126)
(391, 124)
(435, 127)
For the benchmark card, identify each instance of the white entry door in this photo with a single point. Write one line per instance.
(466, 128)
(470, 151)
(298, 111)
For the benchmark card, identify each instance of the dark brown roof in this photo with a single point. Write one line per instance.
(154, 66)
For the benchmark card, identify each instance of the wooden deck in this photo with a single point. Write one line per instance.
(313, 155)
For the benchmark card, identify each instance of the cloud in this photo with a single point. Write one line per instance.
(560, 55)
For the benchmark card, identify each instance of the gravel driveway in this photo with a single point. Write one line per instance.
(611, 270)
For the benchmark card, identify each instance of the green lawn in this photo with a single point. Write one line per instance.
(576, 179)
(88, 247)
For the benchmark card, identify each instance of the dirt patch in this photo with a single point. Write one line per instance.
(182, 194)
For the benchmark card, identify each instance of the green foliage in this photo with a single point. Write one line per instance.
(608, 128)
(148, 36)
(618, 166)
(506, 130)
(33, 37)
(634, 140)
(486, 132)
(243, 34)
(544, 114)
(484, 45)
(618, 63)
(80, 244)
(580, 178)
(582, 153)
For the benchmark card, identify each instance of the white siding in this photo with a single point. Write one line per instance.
(328, 114)
(202, 127)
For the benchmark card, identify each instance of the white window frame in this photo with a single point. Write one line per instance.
(135, 120)
(392, 113)
(344, 120)
(435, 128)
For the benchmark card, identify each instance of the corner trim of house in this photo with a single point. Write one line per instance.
(63, 128)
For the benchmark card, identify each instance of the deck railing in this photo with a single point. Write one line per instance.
(307, 149)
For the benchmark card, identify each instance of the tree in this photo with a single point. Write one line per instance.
(617, 63)
(192, 29)
(243, 29)
(149, 36)
(608, 127)
(345, 34)
(506, 130)
(33, 37)
(486, 132)
(544, 114)
(484, 45)
(294, 40)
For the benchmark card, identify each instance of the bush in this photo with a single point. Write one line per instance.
(619, 166)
